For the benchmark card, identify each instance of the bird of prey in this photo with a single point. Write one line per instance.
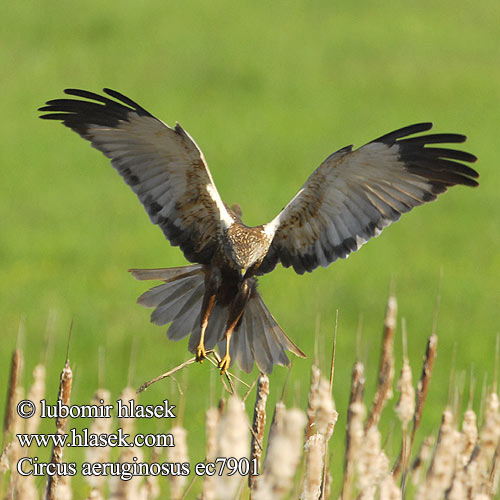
(346, 201)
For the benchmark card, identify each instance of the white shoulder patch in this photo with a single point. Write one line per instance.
(226, 219)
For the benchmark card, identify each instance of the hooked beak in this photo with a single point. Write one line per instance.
(243, 271)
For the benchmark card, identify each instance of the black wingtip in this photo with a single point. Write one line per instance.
(91, 108)
(126, 100)
(393, 136)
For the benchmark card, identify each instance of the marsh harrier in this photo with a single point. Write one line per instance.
(346, 201)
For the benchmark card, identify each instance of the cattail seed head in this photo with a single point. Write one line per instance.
(178, 454)
(405, 408)
(234, 440)
(314, 450)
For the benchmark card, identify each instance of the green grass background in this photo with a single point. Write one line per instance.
(268, 90)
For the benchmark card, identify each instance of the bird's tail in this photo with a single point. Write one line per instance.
(259, 338)
(178, 300)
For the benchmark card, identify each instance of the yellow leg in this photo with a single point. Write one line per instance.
(201, 353)
(225, 362)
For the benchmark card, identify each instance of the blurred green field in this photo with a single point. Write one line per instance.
(267, 90)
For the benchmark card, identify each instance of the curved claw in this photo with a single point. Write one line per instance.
(224, 363)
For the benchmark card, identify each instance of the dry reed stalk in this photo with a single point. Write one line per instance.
(14, 376)
(332, 415)
(372, 464)
(422, 390)
(17, 483)
(120, 489)
(178, 454)
(211, 424)
(63, 490)
(26, 486)
(66, 381)
(150, 490)
(473, 475)
(405, 410)
(11, 451)
(355, 431)
(444, 462)
(326, 487)
(4, 461)
(386, 367)
(283, 454)
(422, 459)
(458, 488)
(99, 453)
(227, 374)
(389, 490)
(233, 442)
(326, 418)
(314, 453)
(258, 425)
(495, 472)
(469, 435)
(277, 421)
(423, 384)
(36, 393)
(469, 475)
(489, 441)
(276, 426)
(465, 480)
(167, 374)
(312, 401)
(326, 415)
(95, 495)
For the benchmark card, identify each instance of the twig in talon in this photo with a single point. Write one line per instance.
(216, 356)
(229, 374)
(233, 388)
(167, 374)
(230, 389)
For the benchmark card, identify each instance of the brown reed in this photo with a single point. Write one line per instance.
(386, 365)
(258, 425)
(65, 383)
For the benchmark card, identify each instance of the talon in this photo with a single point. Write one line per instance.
(224, 364)
(201, 353)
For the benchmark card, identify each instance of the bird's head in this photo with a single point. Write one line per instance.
(245, 246)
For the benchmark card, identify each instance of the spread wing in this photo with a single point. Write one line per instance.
(353, 195)
(163, 166)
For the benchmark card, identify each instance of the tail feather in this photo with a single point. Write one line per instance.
(261, 350)
(239, 349)
(274, 342)
(216, 326)
(171, 290)
(279, 334)
(258, 337)
(170, 308)
(166, 273)
(177, 301)
(188, 319)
